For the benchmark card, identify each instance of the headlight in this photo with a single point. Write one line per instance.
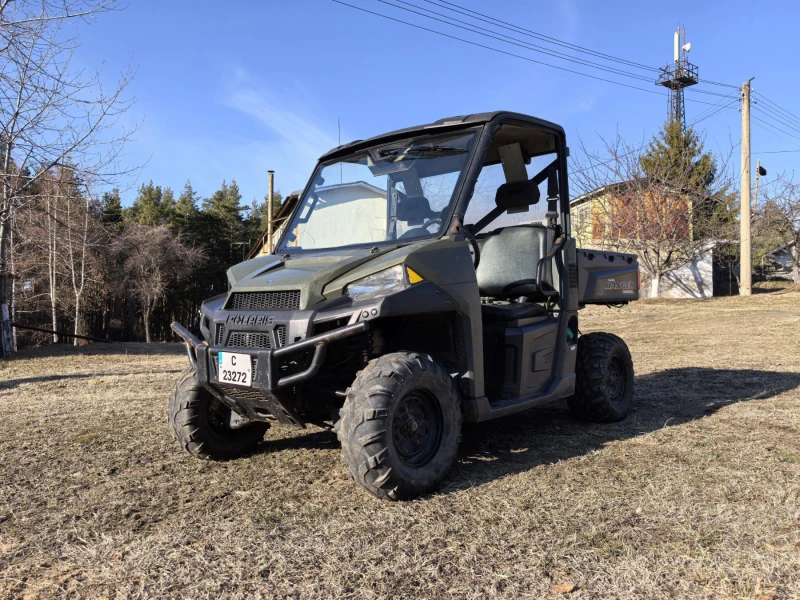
(378, 284)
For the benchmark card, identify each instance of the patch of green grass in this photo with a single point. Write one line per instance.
(87, 438)
(787, 457)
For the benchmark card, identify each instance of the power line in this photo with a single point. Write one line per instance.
(533, 47)
(704, 102)
(465, 11)
(772, 128)
(702, 116)
(506, 25)
(783, 126)
(767, 111)
(728, 85)
(471, 27)
(783, 110)
(493, 49)
(521, 43)
(696, 91)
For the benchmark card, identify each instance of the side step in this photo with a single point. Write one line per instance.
(483, 409)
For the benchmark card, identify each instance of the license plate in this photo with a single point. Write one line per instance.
(235, 368)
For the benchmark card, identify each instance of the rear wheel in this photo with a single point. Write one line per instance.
(202, 424)
(401, 426)
(604, 379)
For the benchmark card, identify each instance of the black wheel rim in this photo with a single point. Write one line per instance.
(615, 380)
(417, 428)
(218, 415)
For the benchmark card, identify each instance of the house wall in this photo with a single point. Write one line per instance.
(695, 280)
(591, 229)
(349, 217)
(581, 218)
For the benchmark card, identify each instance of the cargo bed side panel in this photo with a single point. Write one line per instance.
(607, 277)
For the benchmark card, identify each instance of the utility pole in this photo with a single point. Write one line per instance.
(745, 262)
(271, 175)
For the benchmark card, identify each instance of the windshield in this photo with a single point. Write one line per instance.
(399, 191)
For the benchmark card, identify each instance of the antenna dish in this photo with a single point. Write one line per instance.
(687, 47)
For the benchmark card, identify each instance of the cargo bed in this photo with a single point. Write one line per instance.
(607, 277)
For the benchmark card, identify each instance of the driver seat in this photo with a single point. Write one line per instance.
(413, 210)
(509, 262)
(508, 269)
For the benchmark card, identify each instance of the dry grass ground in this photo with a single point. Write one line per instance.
(696, 494)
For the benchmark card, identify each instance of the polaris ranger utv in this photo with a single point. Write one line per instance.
(427, 277)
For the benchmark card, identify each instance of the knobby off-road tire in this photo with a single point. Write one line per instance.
(400, 426)
(604, 379)
(200, 422)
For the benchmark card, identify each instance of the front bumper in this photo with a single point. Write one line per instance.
(266, 396)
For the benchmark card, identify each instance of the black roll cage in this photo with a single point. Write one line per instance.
(558, 192)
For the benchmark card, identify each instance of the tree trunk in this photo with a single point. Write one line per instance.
(5, 229)
(77, 320)
(5, 317)
(655, 284)
(146, 318)
(52, 267)
(796, 266)
(11, 253)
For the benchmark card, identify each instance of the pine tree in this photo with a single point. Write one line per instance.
(187, 201)
(146, 208)
(277, 200)
(677, 156)
(254, 222)
(225, 205)
(111, 212)
(167, 208)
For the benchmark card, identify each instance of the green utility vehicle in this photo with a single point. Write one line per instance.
(427, 277)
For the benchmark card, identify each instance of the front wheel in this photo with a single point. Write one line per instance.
(604, 379)
(401, 426)
(202, 424)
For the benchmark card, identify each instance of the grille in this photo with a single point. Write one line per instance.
(573, 275)
(220, 338)
(249, 340)
(244, 339)
(265, 300)
(244, 394)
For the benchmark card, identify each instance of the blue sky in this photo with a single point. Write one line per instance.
(230, 90)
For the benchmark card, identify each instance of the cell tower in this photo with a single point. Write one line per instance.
(678, 75)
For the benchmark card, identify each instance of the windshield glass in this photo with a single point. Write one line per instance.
(393, 192)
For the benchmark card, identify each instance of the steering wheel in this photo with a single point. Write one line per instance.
(436, 221)
(473, 241)
(421, 230)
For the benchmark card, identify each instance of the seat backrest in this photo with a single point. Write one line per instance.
(509, 259)
(414, 209)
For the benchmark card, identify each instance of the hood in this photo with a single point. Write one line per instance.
(308, 272)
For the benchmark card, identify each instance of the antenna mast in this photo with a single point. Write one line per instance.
(678, 75)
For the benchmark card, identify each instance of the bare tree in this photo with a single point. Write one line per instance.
(778, 219)
(51, 113)
(152, 257)
(83, 243)
(653, 208)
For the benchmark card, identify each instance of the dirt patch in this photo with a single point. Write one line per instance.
(696, 494)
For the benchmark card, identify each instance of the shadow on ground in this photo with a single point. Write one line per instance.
(550, 434)
(9, 384)
(101, 349)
